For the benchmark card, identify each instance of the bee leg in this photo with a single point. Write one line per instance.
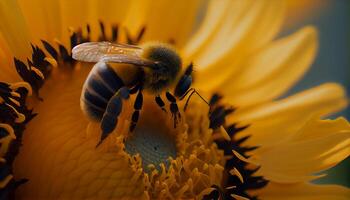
(137, 106)
(160, 102)
(174, 109)
(110, 117)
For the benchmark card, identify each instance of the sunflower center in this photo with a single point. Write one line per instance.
(153, 146)
(154, 138)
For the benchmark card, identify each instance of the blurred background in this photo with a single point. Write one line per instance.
(332, 64)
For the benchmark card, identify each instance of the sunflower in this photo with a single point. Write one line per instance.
(246, 145)
(302, 10)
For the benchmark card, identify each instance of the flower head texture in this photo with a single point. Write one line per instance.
(232, 137)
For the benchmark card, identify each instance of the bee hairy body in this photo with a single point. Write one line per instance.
(152, 67)
(164, 74)
(101, 84)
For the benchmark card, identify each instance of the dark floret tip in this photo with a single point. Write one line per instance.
(217, 118)
(12, 108)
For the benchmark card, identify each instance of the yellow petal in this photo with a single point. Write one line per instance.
(323, 128)
(43, 18)
(165, 20)
(74, 14)
(289, 114)
(309, 151)
(246, 26)
(136, 15)
(7, 69)
(110, 11)
(273, 70)
(14, 29)
(303, 191)
(214, 15)
(298, 11)
(79, 13)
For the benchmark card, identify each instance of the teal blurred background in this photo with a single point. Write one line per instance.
(332, 63)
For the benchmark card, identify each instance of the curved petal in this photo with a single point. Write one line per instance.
(273, 70)
(298, 11)
(245, 27)
(303, 191)
(7, 69)
(80, 13)
(215, 14)
(268, 120)
(110, 11)
(14, 29)
(42, 18)
(319, 145)
(165, 20)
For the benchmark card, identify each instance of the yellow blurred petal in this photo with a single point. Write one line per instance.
(215, 13)
(165, 20)
(303, 191)
(110, 11)
(7, 69)
(14, 29)
(299, 11)
(246, 27)
(136, 15)
(43, 18)
(79, 13)
(298, 158)
(289, 114)
(273, 70)
(73, 14)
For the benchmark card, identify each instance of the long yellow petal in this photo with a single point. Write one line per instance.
(304, 191)
(111, 11)
(273, 70)
(247, 26)
(309, 151)
(136, 15)
(299, 11)
(7, 69)
(215, 13)
(43, 18)
(289, 114)
(14, 29)
(74, 14)
(79, 13)
(165, 20)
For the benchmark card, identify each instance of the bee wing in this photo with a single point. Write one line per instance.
(109, 52)
(128, 59)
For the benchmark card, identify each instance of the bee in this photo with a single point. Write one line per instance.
(104, 91)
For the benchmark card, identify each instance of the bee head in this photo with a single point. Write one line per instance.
(168, 67)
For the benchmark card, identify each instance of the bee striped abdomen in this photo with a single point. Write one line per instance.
(102, 83)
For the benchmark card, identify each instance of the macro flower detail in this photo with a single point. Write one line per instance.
(246, 144)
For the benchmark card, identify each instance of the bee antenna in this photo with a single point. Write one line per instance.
(193, 91)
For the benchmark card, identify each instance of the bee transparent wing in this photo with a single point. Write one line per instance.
(110, 52)
(128, 59)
